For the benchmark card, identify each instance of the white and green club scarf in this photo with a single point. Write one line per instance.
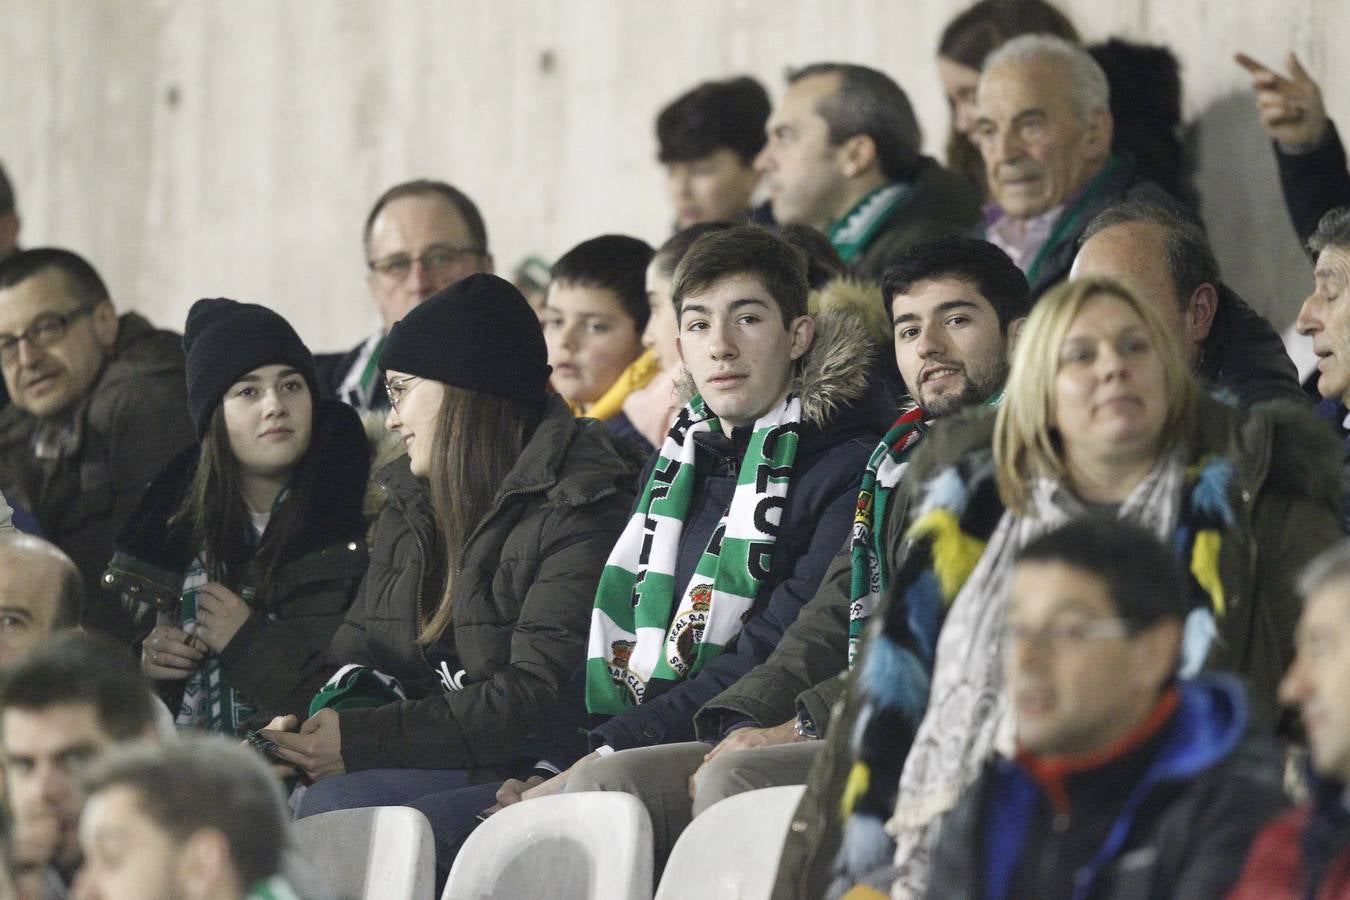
(640, 630)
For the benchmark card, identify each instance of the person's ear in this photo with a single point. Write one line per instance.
(857, 155)
(1100, 129)
(1200, 312)
(489, 264)
(802, 331)
(204, 864)
(105, 324)
(1011, 335)
(1158, 651)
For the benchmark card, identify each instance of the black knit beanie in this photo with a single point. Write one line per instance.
(479, 334)
(224, 339)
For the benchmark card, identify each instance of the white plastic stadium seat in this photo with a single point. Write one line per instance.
(378, 853)
(733, 848)
(594, 845)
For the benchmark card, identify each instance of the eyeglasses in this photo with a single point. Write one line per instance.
(1069, 635)
(437, 260)
(45, 331)
(398, 389)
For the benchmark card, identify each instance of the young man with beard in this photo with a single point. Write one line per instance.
(956, 304)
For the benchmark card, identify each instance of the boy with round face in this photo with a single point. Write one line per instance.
(593, 318)
(1126, 778)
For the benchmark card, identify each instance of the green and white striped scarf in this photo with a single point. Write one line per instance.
(208, 700)
(634, 636)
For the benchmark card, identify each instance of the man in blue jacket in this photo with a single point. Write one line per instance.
(1126, 781)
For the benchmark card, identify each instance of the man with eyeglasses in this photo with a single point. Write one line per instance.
(98, 407)
(1126, 780)
(421, 236)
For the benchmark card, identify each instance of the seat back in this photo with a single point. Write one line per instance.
(593, 844)
(732, 849)
(377, 853)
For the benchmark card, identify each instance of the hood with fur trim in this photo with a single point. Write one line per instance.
(851, 330)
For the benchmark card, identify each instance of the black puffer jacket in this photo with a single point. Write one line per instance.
(522, 605)
(297, 612)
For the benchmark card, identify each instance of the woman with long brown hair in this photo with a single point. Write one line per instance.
(484, 565)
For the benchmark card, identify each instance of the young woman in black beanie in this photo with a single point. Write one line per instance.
(484, 565)
(249, 548)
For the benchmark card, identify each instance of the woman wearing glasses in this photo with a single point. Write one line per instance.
(484, 566)
(1100, 418)
(249, 547)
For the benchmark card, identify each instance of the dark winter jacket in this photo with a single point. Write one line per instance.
(1243, 359)
(1283, 490)
(840, 426)
(133, 422)
(941, 203)
(1315, 182)
(1168, 821)
(1304, 854)
(295, 613)
(521, 610)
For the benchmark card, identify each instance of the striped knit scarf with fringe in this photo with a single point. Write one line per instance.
(949, 536)
(644, 626)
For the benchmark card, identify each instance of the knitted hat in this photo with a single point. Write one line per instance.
(479, 334)
(224, 339)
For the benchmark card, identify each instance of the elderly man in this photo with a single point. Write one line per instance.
(41, 593)
(98, 407)
(421, 236)
(843, 157)
(1230, 347)
(1306, 853)
(1044, 129)
(1324, 317)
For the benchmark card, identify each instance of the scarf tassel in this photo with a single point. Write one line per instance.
(955, 553)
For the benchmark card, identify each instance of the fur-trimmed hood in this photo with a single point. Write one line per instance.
(834, 373)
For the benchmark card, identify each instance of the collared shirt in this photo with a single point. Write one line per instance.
(1021, 239)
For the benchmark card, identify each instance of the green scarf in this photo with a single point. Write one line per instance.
(852, 234)
(639, 632)
(274, 888)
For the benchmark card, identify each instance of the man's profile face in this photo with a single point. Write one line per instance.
(1325, 317)
(1134, 254)
(1038, 152)
(1316, 682)
(31, 584)
(803, 172)
(127, 855)
(45, 751)
(48, 381)
(949, 345)
(430, 243)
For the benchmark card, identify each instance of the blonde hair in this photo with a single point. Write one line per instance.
(1027, 445)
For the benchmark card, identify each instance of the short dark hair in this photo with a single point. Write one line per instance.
(204, 781)
(745, 250)
(978, 262)
(78, 668)
(712, 115)
(82, 280)
(669, 254)
(1142, 577)
(984, 27)
(613, 262)
(1189, 257)
(423, 187)
(7, 191)
(823, 262)
(1332, 231)
(869, 102)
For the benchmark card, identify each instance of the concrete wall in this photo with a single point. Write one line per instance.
(233, 147)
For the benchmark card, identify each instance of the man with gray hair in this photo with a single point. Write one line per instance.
(843, 157)
(1230, 347)
(1325, 317)
(1044, 129)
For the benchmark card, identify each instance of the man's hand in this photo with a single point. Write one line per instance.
(511, 792)
(514, 790)
(746, 739)
(171, 654)
(1291, 108)
(220, 614)
(317, 748)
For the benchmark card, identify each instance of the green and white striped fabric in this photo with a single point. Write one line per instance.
(639, 631)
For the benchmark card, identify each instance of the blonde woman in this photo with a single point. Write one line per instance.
(1100, 417)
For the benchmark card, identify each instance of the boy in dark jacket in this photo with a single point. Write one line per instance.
(1127, 782)
(1306, 853)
